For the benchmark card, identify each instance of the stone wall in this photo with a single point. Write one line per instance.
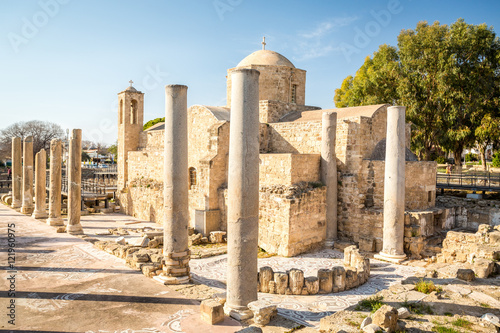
(288, 169)
(291, 218)
(271, 111)
(470, 213)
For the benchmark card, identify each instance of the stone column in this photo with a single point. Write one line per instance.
(40, 183)
(175, 240)
(394, 187)
(74, 183)
(27, 207)
(243, 194)
(329, 173)
(17, 178)
(55, 218)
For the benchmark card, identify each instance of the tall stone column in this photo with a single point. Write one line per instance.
(175, 241)
(40, 183)
(74, 183)
(55, 218)
(394, 187)
(27, 207)
(329, 173)
(243, 194)
(17, 178)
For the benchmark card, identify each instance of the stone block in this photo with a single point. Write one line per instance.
(372, 328)
(281, 282)
(296, 281)
(466, 274)
(483, 268)
(212, 311)
(217, 237)
(386, 317)
(312, 285)
(263, 312)
(325, 277)
(403, 313)
(339, 276)
(266, 275)
(272, 287)
(250, 329)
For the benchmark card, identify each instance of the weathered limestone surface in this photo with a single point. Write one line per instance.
(329, 173)
(74, 182)
(55, 218)
(175, 226)
(296, 281)
(40, 194)
(17, 178)
(263, 312)
(212, 311)
(243, 193)
(394, 186)
(27, 207)
(265, 275)
(325, 277)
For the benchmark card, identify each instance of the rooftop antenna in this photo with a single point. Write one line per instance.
(263, 43)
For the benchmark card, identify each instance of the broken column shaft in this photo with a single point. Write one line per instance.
(243, 193)
(40, 183)
(176, 221)
(55, 184)
(329, 173)
(75, 183)
(17, 178)
(27, 207)
(394, 186)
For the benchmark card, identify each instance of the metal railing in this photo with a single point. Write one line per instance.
(478, 182)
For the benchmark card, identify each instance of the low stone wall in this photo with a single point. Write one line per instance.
(470, 213)
(355, 272)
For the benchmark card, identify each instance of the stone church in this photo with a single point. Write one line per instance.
(292, 197)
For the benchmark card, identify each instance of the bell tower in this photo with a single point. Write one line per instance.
(130, 125)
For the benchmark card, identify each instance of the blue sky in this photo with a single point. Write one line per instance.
(64, 61)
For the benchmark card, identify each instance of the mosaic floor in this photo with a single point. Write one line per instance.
(307, 310)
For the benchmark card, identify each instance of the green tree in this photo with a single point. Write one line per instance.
(374, 83)
(446, 76)
(153, 122)
(487, 134)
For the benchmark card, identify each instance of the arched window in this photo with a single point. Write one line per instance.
(192, 177)
(120, 112)
(133, 112)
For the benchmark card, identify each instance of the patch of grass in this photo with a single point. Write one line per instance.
(442, 329)
(295, 329)
(316, 184)
(448, 314)
(464, 323)
(418, 308)
(427, 287)
(352, 323)
(371, 304)
(263, 254)
(484, 305)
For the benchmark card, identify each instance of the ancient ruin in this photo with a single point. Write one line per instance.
(27, 206)
(73, 225)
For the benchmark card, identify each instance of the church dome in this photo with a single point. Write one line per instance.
(265, 57)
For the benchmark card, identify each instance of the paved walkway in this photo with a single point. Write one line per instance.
(64, 284)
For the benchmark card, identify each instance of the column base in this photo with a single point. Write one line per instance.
(329, 243)
(39, 215)
(27, 210)
(16, 204)
(55, 221)
(238, 314)
(169, 280)
(74, 229)
(390, 257)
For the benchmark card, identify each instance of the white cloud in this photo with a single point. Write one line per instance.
(314, 43)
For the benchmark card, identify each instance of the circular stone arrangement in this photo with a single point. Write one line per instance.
(355, 272)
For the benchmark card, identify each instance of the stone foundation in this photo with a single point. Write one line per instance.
(355, 272)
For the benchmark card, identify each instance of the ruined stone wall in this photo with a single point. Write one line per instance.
(296, 138)
(420, 190)
(291, 218)
(275, 83)
(288, 169)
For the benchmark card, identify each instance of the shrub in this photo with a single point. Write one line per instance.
(496, 160)
(426, 287)
(470, 157)
(462, 323)
(441, 160)
(372, 304)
